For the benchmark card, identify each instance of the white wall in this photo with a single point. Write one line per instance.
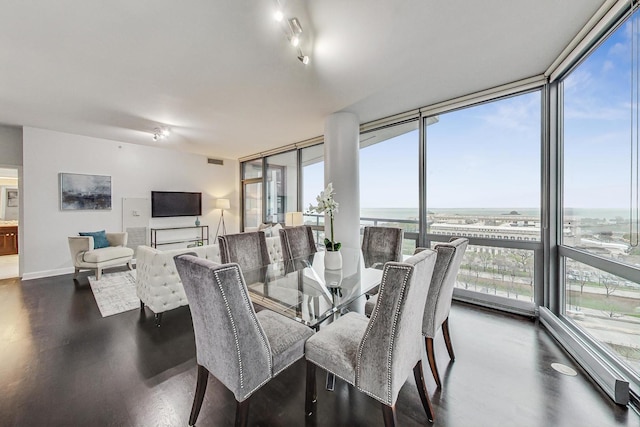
(135, 171)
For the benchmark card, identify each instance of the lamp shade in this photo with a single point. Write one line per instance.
(223, 204)
(293, 219)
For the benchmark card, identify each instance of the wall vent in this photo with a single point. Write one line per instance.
(215, 161)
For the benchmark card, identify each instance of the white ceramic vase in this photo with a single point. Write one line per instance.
(332, 260)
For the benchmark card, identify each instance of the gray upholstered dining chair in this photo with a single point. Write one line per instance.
(376, 355)
(241, 348)
(298, 247)
(297, 242)
(249, 250)
(381, 244)
(436, 311)
(438, 306)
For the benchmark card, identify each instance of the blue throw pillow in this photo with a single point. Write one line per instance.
(99, 238)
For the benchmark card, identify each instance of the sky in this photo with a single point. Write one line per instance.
(488, 156)
(597, 126)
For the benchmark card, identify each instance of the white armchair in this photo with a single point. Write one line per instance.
(85, 257)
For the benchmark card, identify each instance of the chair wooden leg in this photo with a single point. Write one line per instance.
(130, 265)
(389, 415)
(311, 396)
(201, 387)
(432, 360)
(422, 390)
(98, 273)
(76, 272)
(242, 413)
(141, 306)
(447, 338)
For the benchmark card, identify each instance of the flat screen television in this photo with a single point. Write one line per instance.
(175, 203)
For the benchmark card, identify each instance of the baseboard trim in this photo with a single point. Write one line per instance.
(609, 380)
(47, 273)
(56, 272)
(509, 305)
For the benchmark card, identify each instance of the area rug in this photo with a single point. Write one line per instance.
(115, 292)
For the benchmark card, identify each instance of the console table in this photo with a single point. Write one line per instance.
(199, 238)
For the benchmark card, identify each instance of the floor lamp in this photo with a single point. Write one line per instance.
(222, 204)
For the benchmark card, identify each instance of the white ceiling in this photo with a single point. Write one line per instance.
(223, 77)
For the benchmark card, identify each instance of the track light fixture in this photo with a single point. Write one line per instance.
(293, 31)
(160, 133)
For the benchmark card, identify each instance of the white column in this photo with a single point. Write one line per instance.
(341, 167)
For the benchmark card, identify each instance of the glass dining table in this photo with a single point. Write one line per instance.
(302, 289)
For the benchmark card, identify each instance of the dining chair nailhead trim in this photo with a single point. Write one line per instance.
(236, 270)
(233, 324)
(393, 331)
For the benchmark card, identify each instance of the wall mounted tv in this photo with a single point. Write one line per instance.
(175, 203)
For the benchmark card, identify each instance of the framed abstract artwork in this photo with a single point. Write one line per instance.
(84, 192)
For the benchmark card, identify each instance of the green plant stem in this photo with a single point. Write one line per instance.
(332, 242)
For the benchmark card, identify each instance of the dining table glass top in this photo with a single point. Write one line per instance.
(304, 290)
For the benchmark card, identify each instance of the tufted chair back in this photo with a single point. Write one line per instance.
(274, 248)
(381, 244)
(158, 284)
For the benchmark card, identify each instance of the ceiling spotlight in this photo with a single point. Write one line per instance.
(304, 59)
(292, 29)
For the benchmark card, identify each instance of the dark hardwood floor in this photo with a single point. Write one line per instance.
(62, 364)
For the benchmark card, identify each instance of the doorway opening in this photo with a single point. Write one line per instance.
(9, 213)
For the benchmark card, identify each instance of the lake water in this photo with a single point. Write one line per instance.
(412, 213)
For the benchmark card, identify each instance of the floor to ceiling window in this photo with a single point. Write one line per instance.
(600, 195)
(290, 182)
(252, 193)
(281, 185)
(312, 170)
(483, 183)
(389, 168)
